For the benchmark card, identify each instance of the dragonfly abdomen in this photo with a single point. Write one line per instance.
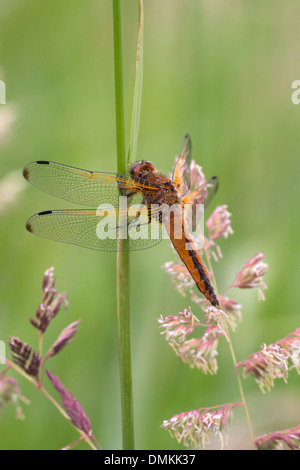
(192, 260)
(199, 273)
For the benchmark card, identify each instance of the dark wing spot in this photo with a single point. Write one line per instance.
(28, 227)
(42, 162)
(216, 179)
(26, 173)
(45, 212)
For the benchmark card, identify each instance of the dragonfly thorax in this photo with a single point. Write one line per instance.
(167, 193)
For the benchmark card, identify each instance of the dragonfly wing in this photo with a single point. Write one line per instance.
(181, 173)
(202, 195)
(95, 229)
(84, 187)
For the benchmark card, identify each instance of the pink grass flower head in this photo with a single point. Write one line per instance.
(24, 357)
(219, 223)
(219, 317)
(9, 388)
(273, 361)
(270, 363)
(212, 249)
(10, 394)
(196, 352)
(181, 278)
(65, 337)
(73, 408)
(52, 302)
(196, 175)
(194, 428)
(251, 275)
(276, 440)
(232, 309)
(201, 352)
(291, 344)
(176, 328)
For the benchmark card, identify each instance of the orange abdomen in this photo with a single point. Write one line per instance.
(192, 260)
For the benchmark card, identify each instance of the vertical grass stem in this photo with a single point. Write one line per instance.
(123, 279)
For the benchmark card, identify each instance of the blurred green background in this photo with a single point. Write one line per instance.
(221, 71)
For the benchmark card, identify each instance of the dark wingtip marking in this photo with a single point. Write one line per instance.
(42, 162)
(215, 178)
(29, 227)
(45, 213)
(26, 173)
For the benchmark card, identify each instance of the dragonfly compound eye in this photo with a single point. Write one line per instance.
(138, 168)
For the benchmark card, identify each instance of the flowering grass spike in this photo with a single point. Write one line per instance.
(24, 357)
(65, 337)
(196, 352)
(251, 275)
(278, 439)
(201, 352)
(10, 394)
(194, 428)
(52, 302)
(73, 408)
(219, 223)
(33, 364)
(273, 361)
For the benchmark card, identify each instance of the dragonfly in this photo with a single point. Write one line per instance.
(148, 195)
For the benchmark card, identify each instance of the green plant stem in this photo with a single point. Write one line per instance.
(119, 95)
(241, 392)
(240, 385)
(123, 280)
(137, 96)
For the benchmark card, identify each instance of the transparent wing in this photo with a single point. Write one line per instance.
(203, 194)
(200, 197)
(97, 229)
(84, 187)
(181, 173)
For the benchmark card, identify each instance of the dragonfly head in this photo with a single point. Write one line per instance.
(140, 168)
